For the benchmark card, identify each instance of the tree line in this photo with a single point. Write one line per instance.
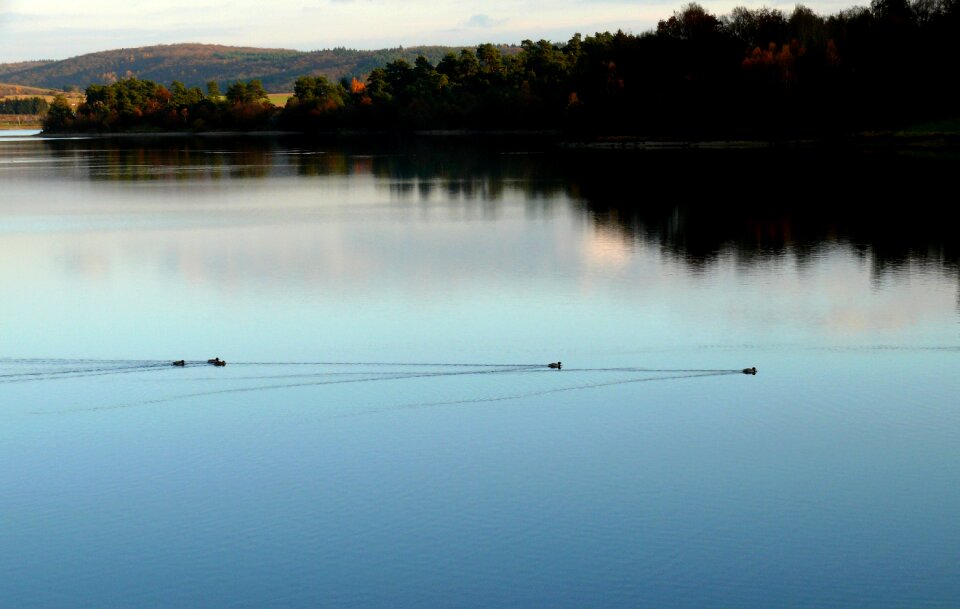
(24, 105)
(751, 73)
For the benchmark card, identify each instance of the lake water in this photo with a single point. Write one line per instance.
(386, 433)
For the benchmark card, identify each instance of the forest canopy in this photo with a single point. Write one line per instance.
(24, 105)
(751, 73)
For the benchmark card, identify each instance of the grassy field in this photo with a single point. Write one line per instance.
(279, 99)
(30, 121)
(19, 121)
(9, 90)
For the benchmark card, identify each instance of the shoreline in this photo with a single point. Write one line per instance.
(881, 139)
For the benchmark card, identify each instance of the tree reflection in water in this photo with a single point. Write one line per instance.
(700, 205)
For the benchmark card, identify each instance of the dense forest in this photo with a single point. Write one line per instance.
(196, 64)
(752, 73)
(25, 105)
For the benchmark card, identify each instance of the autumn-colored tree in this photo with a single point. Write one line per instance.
(60, 116)
(691, 22)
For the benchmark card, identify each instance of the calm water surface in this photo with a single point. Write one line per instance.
(386, 433)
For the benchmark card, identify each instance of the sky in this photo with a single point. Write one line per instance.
(54, 29)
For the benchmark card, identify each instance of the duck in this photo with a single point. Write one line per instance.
(750, 370)
(180, 363)
(217, 362)
(555, 365)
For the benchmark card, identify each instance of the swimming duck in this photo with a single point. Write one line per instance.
(180, 362)
(217, 362)
(556, 365)
(750, 370)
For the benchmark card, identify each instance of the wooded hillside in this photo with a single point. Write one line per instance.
(197, 64)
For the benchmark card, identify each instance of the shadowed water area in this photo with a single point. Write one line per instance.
(387, 433)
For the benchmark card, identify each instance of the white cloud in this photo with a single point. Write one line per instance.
(483, 21)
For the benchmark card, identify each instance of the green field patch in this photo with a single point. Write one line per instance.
(279, 99)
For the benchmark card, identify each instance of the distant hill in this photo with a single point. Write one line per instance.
(8, 90)
(7, 68)
(196, 64)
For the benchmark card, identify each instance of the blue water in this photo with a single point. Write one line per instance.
(386, 432)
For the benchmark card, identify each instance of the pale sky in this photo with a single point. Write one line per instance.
(49, 29)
